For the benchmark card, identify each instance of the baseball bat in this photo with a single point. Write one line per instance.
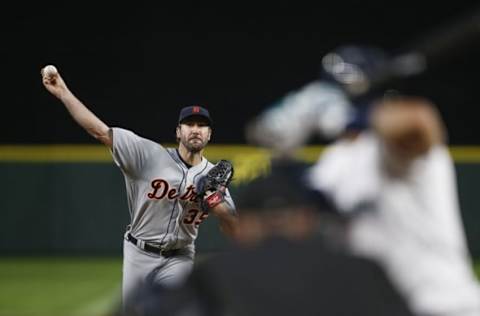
(430, 49)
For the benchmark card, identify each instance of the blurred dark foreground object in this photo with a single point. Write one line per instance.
(279, 278)
(281, 270)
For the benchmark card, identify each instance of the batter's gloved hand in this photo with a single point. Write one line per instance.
(211, 187)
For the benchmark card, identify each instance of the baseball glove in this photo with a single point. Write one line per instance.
(212, 186)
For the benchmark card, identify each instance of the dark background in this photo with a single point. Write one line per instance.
(136, 65)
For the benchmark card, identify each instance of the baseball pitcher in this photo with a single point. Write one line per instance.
(170, 191)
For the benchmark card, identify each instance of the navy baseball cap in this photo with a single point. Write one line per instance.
(194, 110)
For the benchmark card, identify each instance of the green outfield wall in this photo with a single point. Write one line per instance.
(66, 199)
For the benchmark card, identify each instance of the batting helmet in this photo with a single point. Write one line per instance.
(354, 67)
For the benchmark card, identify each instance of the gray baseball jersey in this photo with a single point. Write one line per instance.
(161, 190)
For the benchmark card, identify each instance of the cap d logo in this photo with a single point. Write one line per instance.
(196, 109)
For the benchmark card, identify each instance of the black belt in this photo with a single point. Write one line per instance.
(152, 248)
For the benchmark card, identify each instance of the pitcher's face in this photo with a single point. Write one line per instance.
(194, 134)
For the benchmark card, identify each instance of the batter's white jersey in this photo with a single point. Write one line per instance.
(410, 224)
(161, 190)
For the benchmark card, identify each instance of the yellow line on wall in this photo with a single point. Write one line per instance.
(54, 153)
(465, 154)
(249, 154)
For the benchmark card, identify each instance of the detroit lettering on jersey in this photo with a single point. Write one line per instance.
(160, 190)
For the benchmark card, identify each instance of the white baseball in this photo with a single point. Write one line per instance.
(50, 71)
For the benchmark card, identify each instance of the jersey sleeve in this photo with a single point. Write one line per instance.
(230, 203)
(349, 172)
(130, 152)
(318, 108)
